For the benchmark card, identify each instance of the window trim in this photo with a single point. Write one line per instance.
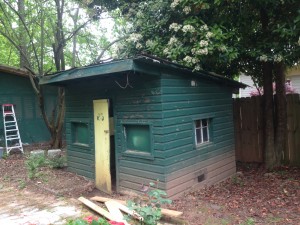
(134, 153)
(78, 144)
(209, 118)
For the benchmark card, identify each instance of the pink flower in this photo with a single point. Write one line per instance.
(89, 219)
(116, 223)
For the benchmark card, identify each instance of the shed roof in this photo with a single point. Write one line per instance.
(145, 64)
(13, 70)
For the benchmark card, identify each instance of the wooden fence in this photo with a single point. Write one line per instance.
(248, 123)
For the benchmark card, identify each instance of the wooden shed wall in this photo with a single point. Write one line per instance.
(170, 104)
(182, 104)
(141, 101)
(17, 90)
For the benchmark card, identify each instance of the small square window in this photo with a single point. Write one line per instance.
(202, 131)
(137, 140)
(80, 134)
(138, 137)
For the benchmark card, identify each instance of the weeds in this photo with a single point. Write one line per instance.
(22, 184)
(57, 162)
(149, 205)
(34, 162)
(237, 180)
(249, 221)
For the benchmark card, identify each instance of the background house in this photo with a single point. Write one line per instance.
(135, 121)
(292, 78)
(15, 88)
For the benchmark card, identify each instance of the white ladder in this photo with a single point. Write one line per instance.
(11, 130)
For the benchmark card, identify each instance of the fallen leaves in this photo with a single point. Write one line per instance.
(253, 193)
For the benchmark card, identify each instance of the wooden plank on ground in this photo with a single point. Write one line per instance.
(167, 212)
(118, 205)
(115, 211)
(96, 208)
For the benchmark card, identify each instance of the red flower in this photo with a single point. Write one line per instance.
(116, 223)
(89, 219)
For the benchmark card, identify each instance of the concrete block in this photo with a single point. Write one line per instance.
(52, 153)
(38, 152)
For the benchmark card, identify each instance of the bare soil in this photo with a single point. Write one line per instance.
(253, 196)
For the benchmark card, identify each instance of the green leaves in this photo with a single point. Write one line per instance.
(149, 205)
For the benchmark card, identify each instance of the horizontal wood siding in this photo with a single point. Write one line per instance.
(182, 104)
(140, 102)
(18, 91)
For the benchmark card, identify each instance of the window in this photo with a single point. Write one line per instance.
(201, 131)
(137, 140)
(80, 134)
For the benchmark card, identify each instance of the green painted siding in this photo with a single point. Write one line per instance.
(138, 103)
(17, 90)
(169, 104)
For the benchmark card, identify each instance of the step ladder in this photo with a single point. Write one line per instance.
(11, 130)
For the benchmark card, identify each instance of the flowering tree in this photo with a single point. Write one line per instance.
(251, 36)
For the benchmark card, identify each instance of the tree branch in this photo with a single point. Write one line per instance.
(107, 47)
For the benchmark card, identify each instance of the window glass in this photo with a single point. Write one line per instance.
(138, 137)
(80, 134)
(201, 131)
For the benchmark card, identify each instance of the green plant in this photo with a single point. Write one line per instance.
(148, 205)
(249, 221)
(237, 180)
(22, 184)
(88, 221)
(34, 162)
(57, 162)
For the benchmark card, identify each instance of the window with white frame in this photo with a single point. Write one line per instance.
(201, 131)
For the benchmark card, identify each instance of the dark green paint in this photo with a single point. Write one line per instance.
(17, 90)
(156, 94)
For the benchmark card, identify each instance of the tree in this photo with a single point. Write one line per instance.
(33, 28)
(251, 36)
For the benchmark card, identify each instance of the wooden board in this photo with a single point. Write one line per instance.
(115, 211)
(96, 208)
(166, 212)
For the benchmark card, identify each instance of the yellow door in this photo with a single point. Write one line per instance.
(102, 145)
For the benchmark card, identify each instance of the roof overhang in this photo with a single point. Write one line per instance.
(143, 64)
(14, 71)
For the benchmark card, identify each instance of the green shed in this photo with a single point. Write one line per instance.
(16, 89)
(139, 120)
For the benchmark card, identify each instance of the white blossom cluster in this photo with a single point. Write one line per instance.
(278, 58)
(204, 27)
(209, 35)
(190, 59)
(201, 51)
(187, 10)
(197, 68)
(150, 43)
(263, 58)
(175, 3)
(203, 43)
(173, 40)
(167, 52)
(134, 37)
(175, 26)
(188, 28)
(138, 45)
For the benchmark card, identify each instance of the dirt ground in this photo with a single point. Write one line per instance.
(253, 196)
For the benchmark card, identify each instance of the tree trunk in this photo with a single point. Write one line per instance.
(22, 38)
(270, 158)
(280, 112)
